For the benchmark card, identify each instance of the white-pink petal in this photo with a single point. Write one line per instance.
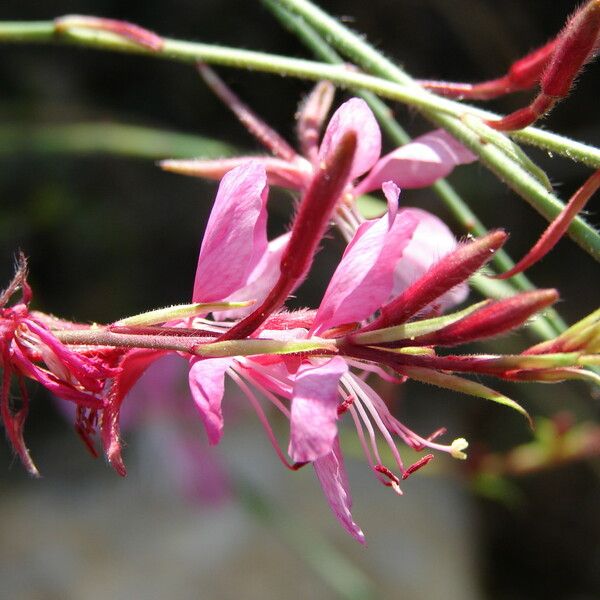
(207, 384)
(430, 241)
(332, 476)
(313, 416)
(236, 236)
(356, 116)
(364, 278)
(419, 163)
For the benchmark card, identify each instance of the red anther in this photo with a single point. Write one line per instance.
(253, 123)
(345, 405)
(394, 480)
(451, 270)
(310, 224)
(557, 228)
(85, 422)
(297, 466)
(493, 319)
(418, 465)
(134, 33)
(436, 434)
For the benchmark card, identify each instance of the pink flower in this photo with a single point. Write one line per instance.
(313, 393)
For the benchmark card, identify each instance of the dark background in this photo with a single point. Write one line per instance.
(112, 236)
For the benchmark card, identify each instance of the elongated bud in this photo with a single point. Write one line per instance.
(267, 136)
(311, 116)
(582, 336)
(557, 228)
(133, 33)
(575, 46)
(310, 224)
(451, 270)
(494, 319)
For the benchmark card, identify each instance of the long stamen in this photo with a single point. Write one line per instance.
(262, 418)
(367, 392)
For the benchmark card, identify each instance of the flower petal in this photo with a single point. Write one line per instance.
(356, 116)
(314, 409)
(418, 163)
(207, 384)
(236, 236)
(364, 279)
(132, 366)
(431, 240)
(334, 481)
(260, 281)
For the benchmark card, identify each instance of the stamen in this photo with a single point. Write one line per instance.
(345, 405)
(393, 482)
(368, 393)
(262, 418)
(418, 465)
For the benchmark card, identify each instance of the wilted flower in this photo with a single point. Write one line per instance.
(28, 349)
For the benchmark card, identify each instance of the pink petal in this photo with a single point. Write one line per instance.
(236, 236)
(294, 174)
(207, 383)
(334, 481)
(364, 279)
(430, 241)
(260, 281)
(131, 367)
(314, 409)
(419, 163)
(354, 115)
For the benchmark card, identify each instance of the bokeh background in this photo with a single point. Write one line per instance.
(110, 236)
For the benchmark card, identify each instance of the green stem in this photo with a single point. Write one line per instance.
(44, 32)
(396, 86)
(403, 90)
(368, 58)
(199, 345)
(546, 327)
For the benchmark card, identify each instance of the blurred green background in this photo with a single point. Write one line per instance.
(110, 236)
